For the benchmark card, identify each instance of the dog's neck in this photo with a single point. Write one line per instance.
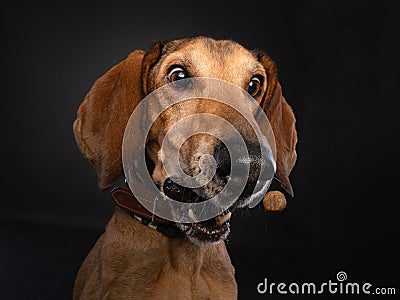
(178, 254)
(162, 237)
(185, 257)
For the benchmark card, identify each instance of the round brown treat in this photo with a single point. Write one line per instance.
(274, 201)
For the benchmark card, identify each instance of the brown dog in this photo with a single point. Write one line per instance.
(131, 260)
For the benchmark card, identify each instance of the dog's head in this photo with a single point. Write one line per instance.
(104, 113)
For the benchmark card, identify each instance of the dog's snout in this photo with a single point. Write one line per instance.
(223, 160)
(254, 160)
(257, 159)
(251, 156)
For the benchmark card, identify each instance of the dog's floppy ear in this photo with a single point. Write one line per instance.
(282, 120)
(105, 111)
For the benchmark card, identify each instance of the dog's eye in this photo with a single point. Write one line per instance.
(177, 73)
(254, 86)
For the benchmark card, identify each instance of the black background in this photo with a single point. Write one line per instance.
(339, 68)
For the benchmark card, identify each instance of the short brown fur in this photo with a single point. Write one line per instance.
(130, 260)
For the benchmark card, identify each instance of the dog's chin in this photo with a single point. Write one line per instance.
(213, 230)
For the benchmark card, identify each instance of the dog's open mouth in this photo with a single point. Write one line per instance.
(208, 231)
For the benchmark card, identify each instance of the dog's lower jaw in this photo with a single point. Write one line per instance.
(190, 231)
(210, 231)
(190, 234)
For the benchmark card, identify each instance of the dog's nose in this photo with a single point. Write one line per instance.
(259, 160)
(223, 160)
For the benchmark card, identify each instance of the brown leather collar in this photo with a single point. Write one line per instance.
(125, 199)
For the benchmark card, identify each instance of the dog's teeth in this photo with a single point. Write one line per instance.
(191, 215)
(221, 219)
